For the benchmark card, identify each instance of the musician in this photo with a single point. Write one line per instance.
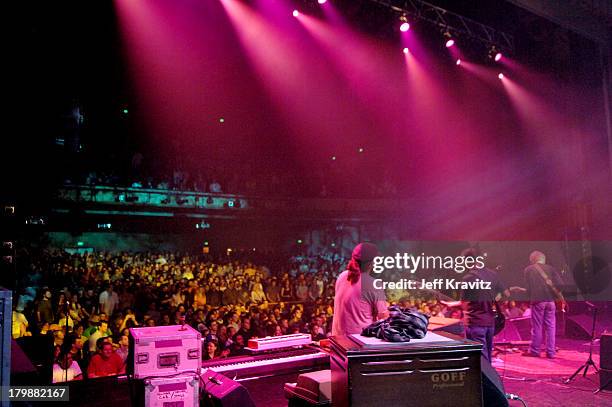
(478, 311)
(542, 282)
(357, 304)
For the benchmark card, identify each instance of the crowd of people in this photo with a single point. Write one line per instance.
(82, 306)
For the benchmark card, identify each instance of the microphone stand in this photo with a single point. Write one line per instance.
(589, 362)
(66, 338)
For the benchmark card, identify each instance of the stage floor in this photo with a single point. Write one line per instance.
(539, 381)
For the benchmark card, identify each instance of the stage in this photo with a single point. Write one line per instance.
(544, 388)
(539, 381)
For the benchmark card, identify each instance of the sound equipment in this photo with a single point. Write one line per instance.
(425, 373)
(6, 314)
(450, 325)
(220, 391)
(164, 350)
(605, 379)
(279, 342)
(312, 388)
(580, 326)
(182, 390)
(493, 393)
(516, 329)
(23, 371)
(605, 351)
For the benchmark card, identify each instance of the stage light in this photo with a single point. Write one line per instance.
(498, 56)
(449, 39)
(322, 1)
(404, 26)
(360, 149)
(500, 76)
(458, 62)
(221, 120)
(405, 50)
(296, 13)
(333, 158)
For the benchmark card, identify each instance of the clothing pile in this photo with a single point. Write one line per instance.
(401, 326)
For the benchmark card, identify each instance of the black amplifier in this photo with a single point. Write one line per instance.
(439, 370)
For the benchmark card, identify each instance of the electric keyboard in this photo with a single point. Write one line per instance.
(273, 363)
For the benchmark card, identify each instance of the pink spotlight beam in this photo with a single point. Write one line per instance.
(450, 43)
(295, 13)
(404, 27)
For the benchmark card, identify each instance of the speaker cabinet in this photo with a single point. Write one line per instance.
(605, 353)
(605, 379)
(493, 393)
(220, 391)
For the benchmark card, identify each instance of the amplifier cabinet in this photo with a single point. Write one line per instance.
(164, 350)
(408, 374)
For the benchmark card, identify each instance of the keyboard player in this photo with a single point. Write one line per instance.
(357, 303)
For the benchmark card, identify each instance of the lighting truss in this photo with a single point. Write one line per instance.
(452, 22)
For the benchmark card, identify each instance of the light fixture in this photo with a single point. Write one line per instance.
(404, 26)
(296, 13)
(449, 39)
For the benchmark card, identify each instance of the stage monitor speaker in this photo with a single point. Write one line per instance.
(580, 326)
(220, 391)
(605, 379)
(516, 329)
(605, 351)
(493, 393)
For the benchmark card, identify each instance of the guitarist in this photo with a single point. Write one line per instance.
(542, 282)
(478, 305)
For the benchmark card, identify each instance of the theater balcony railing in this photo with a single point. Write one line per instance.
(158, 202)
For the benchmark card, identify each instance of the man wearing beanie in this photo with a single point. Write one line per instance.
(357, 303)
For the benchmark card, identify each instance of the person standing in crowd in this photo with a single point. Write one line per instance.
(44, 310)
(108, 300)
(542, 285)
(357, 304)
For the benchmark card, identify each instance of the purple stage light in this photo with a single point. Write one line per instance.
(296, 13)
(500, 76)
(458, 62)
(450, 43)
(404, 27)
(405, 50)
(322, 1)
(498, 56)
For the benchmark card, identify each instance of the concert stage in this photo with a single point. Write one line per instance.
(539, 381)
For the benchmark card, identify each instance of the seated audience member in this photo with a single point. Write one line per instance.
(66, 369)
(211, 350)
(105, 362)
(122, 351)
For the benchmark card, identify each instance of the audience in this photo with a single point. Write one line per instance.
(229, 299)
